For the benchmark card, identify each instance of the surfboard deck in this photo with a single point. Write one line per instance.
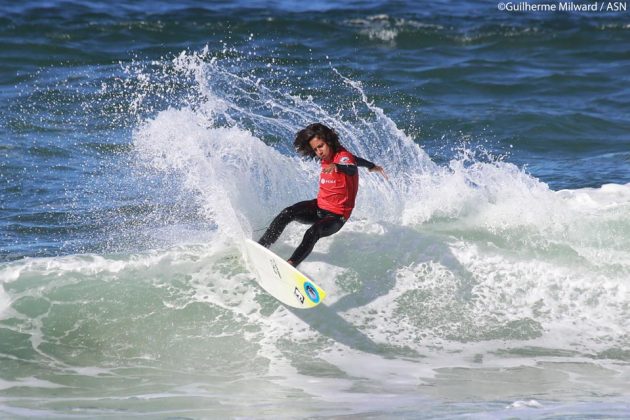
(281, 280)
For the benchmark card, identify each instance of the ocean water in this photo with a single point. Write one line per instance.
(140, 142)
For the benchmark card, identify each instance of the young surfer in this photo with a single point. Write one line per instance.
(338, 186)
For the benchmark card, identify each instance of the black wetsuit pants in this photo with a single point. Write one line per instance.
(324, 224)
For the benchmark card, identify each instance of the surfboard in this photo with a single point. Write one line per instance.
(281, 280)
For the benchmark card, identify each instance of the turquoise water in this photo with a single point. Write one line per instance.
(141, 141)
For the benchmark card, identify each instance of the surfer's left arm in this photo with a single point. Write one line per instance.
(372, 167)
(353, 168)
(338, 167)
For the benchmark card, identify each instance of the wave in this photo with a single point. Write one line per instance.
(454, 264)
(474, 250)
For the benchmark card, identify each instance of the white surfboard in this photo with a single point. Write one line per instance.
(281, 280)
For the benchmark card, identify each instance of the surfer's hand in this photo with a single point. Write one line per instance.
(380, 170)
(330, 168)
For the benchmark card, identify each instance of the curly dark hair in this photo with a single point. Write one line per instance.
(305, 135)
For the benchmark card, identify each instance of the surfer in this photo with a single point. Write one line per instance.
(338, 186)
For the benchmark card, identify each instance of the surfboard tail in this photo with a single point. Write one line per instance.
(281, 280)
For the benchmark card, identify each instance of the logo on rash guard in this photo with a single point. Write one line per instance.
(344, 160)
(328, 181)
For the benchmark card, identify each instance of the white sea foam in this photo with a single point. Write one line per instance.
(522, 404)
(94, 264)
(5, 301)
(28, 383)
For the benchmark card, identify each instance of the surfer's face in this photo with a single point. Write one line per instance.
(321, 148)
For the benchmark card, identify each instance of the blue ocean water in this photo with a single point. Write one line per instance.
(141, 141)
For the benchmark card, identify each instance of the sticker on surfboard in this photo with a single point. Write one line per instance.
(281, 280)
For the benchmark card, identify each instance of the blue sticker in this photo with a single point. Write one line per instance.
(311, 292)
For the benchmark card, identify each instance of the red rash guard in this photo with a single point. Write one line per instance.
(338, 190)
